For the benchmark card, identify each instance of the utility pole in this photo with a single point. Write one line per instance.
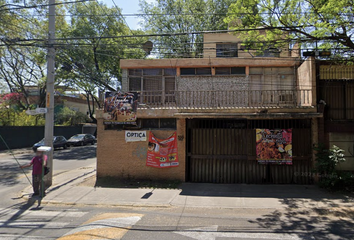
(49, 117)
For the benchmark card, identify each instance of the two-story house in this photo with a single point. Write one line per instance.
(215, 104)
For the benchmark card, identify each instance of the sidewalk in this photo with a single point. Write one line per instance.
(16, 151)
(68, 188)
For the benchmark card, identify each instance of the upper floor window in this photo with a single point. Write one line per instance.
(226, 50)
(230, 71)
(195, 71)
(151, 79)
(268, 51)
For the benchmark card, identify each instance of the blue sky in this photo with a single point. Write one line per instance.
(128, 6)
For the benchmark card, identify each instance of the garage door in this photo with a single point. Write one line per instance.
(224, 151)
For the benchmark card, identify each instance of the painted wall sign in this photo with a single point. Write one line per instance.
(274, 146)
(135, 136)
(120, 108)
(162, 153)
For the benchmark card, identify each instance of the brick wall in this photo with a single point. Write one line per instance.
(119, 159)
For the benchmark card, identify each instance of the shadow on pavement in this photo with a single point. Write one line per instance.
(323, 215)
(11, 173)
(76, 153)
(319, 223)
(256, 191)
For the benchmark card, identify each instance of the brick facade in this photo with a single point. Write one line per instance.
(120, 159)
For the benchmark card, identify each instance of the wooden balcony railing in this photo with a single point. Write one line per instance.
(226, 99)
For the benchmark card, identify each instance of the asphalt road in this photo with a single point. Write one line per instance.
(25, 220)
(13, 180)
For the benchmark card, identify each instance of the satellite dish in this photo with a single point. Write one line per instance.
(147, 47)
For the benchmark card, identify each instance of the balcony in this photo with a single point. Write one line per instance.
(217, 99)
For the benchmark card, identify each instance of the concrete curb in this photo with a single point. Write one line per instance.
(118, 205)
(24, 194)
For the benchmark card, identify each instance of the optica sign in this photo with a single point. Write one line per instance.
(135, 136)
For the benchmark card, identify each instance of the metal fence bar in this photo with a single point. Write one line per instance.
(226, 99)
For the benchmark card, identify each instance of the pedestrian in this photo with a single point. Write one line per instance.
(38, 162)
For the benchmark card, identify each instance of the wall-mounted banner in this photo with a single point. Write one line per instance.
(120, 108)
(135, 136)
(274, 146)
(162, 153)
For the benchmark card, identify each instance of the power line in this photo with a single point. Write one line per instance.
(118, 9)
(159, 34)
(182, 14)
(16, 7)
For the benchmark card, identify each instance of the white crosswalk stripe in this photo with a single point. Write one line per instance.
(22, 224)
(19, 237)
(27, 223)
(41, 213)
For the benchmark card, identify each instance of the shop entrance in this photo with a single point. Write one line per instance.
(224, 151)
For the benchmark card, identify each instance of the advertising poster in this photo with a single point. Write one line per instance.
(120, 108)
(274, 146)
(162, 153)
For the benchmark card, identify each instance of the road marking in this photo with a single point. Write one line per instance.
(41, 213)
(31, 223)
(211, 233)
(18, 237)
(104, 226)
(35, 218)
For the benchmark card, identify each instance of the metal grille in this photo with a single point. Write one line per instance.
(135, 84)
(339, 98)
(224, 151)
(152, 83)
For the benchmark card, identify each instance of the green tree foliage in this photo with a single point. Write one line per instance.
(182, 16)
(92, 61)
(12, 115)
(94, 56)
(23, 64)
(68, 117)
(329, 23)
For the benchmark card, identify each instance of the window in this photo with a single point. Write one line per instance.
(151, 79)
(268, 51)
(187, 71)
(135, 72)
(159, 123)
(226, 50)
(150, 123)
(195, 71)
(152, 72)
(230, 71)
(238, 70)
(152, 83)
(168, 123)
(135, 84)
